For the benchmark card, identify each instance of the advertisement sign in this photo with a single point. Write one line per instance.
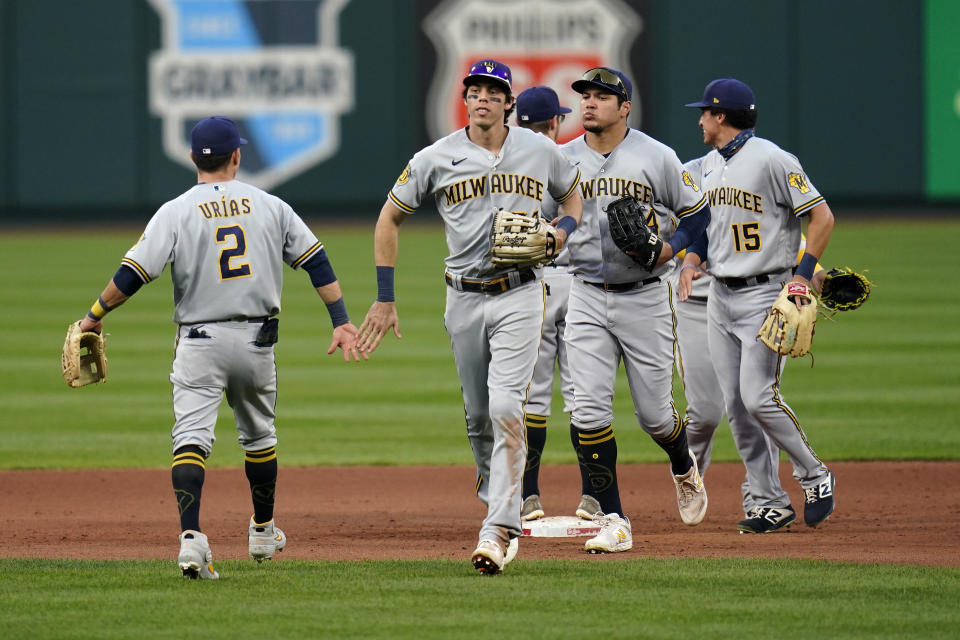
(274, 67)
(544, 42)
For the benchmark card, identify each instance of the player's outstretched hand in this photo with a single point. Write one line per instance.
(346, 337)
(685, 282)
(381, 317)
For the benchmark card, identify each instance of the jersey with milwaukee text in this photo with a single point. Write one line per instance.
(469, 183)
(756, 198)
(640, 167)
(226, 243)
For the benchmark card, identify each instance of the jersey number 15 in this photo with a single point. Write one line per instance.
(746, 236)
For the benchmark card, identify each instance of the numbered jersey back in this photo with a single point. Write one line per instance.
(227, 243)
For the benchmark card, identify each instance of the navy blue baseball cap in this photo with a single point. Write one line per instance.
(215, 136)
(492, 70)
(727, 93)
(605, 78)
(537, 104)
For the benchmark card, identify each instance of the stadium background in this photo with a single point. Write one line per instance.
(865, 95)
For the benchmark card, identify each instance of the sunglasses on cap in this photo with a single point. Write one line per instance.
(605, 76)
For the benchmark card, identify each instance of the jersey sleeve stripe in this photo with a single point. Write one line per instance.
(312, 250)
(140, 271)
(804, 208)
(700, 205)
(400, 204)
(569, 192)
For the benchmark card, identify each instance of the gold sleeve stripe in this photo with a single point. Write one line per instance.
(533, 420)
(804, 208)
(400, 204)
(700, 205)
(272, 456)
(136, 267)
(569, 192)
(312, 250)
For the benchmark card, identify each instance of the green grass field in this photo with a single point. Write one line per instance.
(884, 386)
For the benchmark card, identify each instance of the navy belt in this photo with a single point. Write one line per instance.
(620, 287)
(702, 299)
(257, 320)
(739, 283)
(491, 287)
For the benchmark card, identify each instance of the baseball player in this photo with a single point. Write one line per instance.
(618, 310)
(538, 109)
(758, 194)
(493, 314)
(226, 242)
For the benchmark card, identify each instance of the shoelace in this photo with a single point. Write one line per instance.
(810, 495)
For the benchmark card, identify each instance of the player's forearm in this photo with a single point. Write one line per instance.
(572, 206)
(819, 228)
(330, 293)
(386, 235)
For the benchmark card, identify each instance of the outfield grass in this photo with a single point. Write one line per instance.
(637, 598)
(884, 385)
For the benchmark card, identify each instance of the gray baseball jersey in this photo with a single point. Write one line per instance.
(641, 167)
(226, 243)
(757, 198)
(470, 183)
(494, 337)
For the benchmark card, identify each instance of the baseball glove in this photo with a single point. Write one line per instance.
(844, 290)
(84, 357)
(788, 330)
(629, 230)
(521, 240)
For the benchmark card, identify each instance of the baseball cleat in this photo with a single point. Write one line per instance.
(488, 557)
(532, 508)
(196, 559)
(818, 502)
(264, 540)
(615, 535)
(589, 508)
(767, 520)
(691, 495)
(511, 553)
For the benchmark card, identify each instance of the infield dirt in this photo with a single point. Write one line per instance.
(887, 512)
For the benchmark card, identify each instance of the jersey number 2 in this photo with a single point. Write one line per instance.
(236, 251)
(746, 236)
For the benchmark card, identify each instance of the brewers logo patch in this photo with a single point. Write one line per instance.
(688, 180)
(405, 176)
(799, 182)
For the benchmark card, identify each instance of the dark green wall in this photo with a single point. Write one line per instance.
(839, 83)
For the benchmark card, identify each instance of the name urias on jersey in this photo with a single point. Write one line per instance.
(497, 183)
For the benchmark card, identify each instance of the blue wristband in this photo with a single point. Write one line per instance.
(338, 313)
(568, 224)
(385, 284)
(807, 264)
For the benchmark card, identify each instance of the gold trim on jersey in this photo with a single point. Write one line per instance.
(136, 267)
(569, 192)
(395, 200)
(694, 209)
(307, 254)
(804, 208)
